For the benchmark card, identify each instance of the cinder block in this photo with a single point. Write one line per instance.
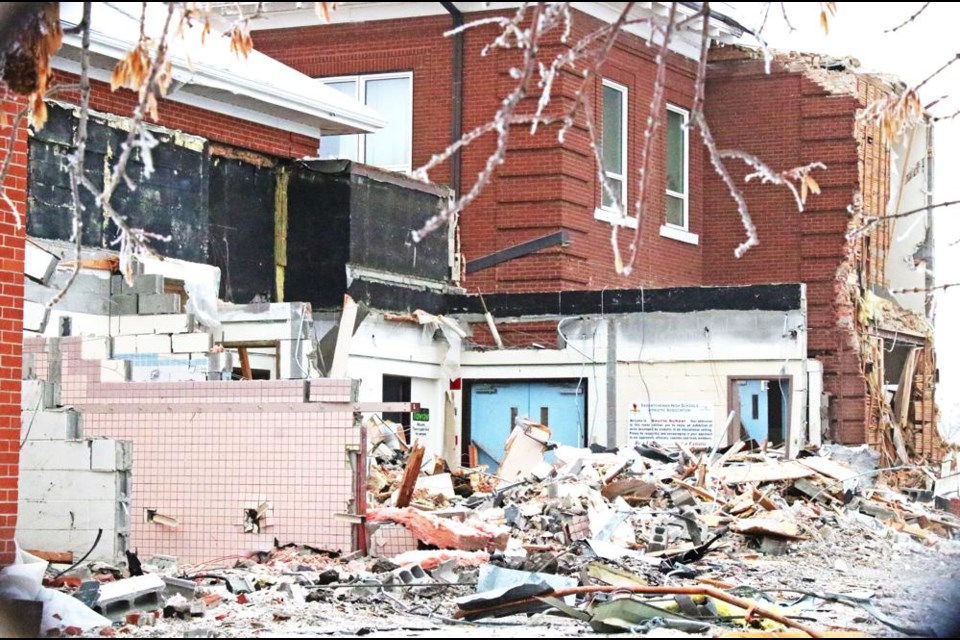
(192, 342)
(124, 304)
(55, 455)
(124, 345)
(115, 370)
(51, 425)
(38, 484)
(168, 323)
(148, 284)
(159, 303)
(249, 331)
(159, 343)
(35, 316)
(78, 513)
(95, 348)
(109, 455)
(38, 263)
(37, 395)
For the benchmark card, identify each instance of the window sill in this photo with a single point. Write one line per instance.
(613, 217)
(680, 235)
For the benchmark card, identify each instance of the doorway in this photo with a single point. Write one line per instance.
(493, 407)
(763, 409)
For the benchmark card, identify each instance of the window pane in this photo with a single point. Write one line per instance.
(612, 141)
(341, 146)
(675, 212)
(617, 187)
(675, 155)
(390, 147)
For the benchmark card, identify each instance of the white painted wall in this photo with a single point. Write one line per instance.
(687, 357)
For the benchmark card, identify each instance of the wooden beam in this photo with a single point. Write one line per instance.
(245, 369)
(410, 474)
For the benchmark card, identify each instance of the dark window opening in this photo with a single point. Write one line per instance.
(397, 389)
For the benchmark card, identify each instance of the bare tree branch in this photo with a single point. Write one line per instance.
(649, 135)
(78, 157)
(872, 221)
(916, 15)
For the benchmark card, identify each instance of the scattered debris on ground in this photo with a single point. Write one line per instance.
(727, 543)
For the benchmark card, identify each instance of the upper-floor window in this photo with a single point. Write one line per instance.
(391, 95)
(678, 168)
(613, 143)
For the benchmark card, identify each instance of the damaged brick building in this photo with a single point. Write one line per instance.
(236, 197)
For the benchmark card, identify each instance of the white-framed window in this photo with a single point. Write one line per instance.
(677, 197)
(678, 168)
(613, 152)
(391, 95)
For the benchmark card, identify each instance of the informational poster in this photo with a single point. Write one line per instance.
(667, 422)
(420, 425)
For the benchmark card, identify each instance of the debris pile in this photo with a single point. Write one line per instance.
(714, 542)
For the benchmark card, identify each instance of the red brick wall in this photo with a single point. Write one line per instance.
(11, 325)
(544, 186)
(788, 120)
(196, 121)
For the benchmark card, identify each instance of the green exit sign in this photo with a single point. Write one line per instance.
(421, 415)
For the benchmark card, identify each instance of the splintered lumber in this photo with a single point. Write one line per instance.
(53, 557)
(441, 532)
(633, 490)
(764, 472)
(409, 482)
(773, 523)
(829, 468)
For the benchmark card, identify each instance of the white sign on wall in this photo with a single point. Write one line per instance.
(420, 426)
(667, 422)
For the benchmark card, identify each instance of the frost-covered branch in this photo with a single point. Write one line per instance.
(76, 160)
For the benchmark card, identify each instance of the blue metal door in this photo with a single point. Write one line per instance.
(754, 409)
(494, 406)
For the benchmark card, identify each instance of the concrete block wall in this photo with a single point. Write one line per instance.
(70, 488)
(204, 468)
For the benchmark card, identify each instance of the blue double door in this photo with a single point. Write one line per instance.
(494, 407)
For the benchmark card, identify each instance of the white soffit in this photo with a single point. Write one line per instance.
(208, 75)
(285, 15)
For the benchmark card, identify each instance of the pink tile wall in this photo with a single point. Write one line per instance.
(204, 468)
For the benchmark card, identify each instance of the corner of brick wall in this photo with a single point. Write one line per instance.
(11, 321)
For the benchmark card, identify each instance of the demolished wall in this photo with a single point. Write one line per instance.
(207, 453)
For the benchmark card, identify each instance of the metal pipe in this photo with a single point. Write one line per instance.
(456, 124)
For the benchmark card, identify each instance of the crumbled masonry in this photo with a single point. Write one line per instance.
(728, 543)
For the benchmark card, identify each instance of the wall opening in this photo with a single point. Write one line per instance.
(397, 389)
(762, 408)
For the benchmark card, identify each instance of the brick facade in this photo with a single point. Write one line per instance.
(544, 186)
(11, 323)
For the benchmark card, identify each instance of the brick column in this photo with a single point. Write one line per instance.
(11, 321)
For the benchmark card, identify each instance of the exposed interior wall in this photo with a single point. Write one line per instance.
(11, 318)
(205, 453)
(545, 186)
(624, 359)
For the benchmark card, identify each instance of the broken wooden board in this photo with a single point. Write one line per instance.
(614, 576)
(53, 557)
(634, 490)
(410, 474)
(764, 472)
(829, 468)
(772, 523)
